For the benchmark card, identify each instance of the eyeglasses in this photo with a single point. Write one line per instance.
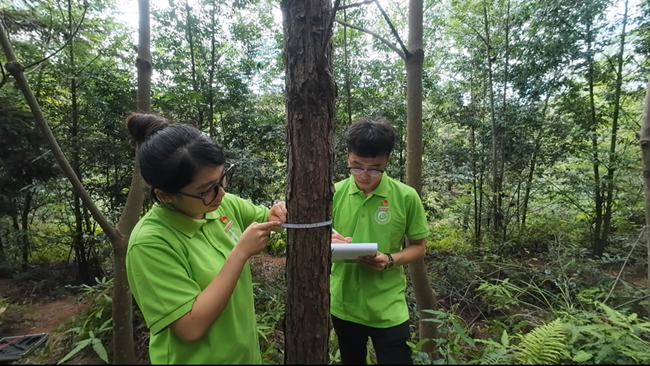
(371, 172)
(211, 194)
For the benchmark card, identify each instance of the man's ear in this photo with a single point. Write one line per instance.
(162, 195)
(390, 155)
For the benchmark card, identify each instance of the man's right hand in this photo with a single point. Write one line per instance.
(338, 238)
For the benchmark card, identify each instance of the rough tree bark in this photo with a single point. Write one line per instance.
(310, 93)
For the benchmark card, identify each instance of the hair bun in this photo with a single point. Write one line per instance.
(142, 126)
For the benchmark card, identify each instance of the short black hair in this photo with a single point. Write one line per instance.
(370, 138)
(171, 154)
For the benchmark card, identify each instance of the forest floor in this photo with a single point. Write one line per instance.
(35, 301)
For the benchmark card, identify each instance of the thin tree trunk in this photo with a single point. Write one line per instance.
(496, 184)
(425, 297)
(309, 99)
(644, 140)
(27, 206)
(503, 128)
(212, 66)
(348, 99)
(598, 245)
(613, 159)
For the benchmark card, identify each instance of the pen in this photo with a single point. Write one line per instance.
(335, 232)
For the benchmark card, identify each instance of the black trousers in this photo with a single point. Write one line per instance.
(389, 343)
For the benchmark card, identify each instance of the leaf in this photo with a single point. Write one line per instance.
(98, 347)
(505, 340)
(462, 334)
(582, 356)
(81, 345)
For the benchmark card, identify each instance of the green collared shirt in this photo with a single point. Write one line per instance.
(390, 212)
(171, 258)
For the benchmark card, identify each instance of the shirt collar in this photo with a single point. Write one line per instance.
(382, 189)
(181, 222)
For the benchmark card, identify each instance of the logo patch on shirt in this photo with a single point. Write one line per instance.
(228, 226)
(382, 215)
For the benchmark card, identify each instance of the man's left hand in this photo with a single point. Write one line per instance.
(376, 263)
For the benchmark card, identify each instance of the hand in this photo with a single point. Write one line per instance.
(278, 212)
(338, 238)
(375, 263)
(253, 240)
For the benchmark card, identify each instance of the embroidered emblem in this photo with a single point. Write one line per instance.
(382, 215)
(384, 203)
(228, 226)
(223, 219)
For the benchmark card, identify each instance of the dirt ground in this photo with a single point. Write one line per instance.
(44, 305)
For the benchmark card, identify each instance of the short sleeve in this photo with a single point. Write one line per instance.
(250, 213)
(160, 282)
(417, 226)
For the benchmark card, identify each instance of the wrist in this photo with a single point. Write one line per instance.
(391, 262)
(238, 254)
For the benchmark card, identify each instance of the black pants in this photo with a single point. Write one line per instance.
(389, 343)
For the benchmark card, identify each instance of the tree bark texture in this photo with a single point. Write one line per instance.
(310, 93)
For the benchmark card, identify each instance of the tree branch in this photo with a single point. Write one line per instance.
(382, 39)
(330, 25)
(83, 16)
(468, 25)
(16, 70)
(356, 4)
(392, 28)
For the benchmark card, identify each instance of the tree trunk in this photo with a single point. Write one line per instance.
(24, 238)
(644, 139)
(496, 183)
(123, 351)
(212, 66)
(503, 130)
(310, 94)
(613, 160)
(598, 246)
(346, 61)
(424, 295)
(195, 86)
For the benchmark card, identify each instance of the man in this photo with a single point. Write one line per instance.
(368, 297)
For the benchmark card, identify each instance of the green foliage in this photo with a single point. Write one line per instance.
(453, 339)
(544, 345)
(97, 324)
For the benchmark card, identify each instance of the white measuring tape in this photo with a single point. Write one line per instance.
(306, 226)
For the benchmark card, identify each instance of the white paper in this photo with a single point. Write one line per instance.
(351, 251)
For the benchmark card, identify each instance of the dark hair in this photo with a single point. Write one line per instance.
(369, 138)
(171, 154)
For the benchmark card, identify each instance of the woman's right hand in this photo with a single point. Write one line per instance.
(254, 239)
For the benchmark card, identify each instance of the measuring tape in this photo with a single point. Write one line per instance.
(306, 226)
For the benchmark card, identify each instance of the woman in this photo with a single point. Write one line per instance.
(187, 259)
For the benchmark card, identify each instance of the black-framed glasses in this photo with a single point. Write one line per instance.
(211, 194)
(371, 172)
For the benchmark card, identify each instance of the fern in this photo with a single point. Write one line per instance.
(498, 356)
(543, 345)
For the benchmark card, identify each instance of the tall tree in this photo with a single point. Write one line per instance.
(413, 57)
(310, 93)
(644, 139)
(424, 294)
(123, 349)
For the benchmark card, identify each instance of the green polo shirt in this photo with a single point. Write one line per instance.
(392, 210)
(171, 258)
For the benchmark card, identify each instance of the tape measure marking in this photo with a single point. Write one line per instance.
(306, 226)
